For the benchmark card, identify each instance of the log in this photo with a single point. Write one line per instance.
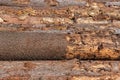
(25, 19)
(59, 70)
(56, 3)
(67, 15)
(32, 45)
(42, 3)
(82, 41)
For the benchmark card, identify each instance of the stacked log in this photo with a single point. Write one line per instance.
(60, 70)
(82, 42)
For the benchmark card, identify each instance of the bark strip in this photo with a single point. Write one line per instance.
(94, 30)
(94, 42)
(56, 3)
(42, 3)
(83, 41)
(25, 19)
(57, 70)
(67, 15)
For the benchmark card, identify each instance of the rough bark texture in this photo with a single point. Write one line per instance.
(60, 70)
(54, 3)
(93, 42)
(94, 13)
(41, 3)
(56, 30)
(79, 41)
(92, 31)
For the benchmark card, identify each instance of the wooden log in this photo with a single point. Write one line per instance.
(32, 45)
(83, 41)
(59, 70)
(66, 15)
(42, 3)
(56, 3)
(25, 19)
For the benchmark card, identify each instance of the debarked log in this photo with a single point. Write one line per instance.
(30, 45)
(84, 42)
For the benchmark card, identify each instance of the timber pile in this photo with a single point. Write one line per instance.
(63, 32)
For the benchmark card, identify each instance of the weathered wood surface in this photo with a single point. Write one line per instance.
(79, 41)
(56, 3)
(59, 30)
(95, 13)
(33, 45)
(92, 31)
(41, 3)
(60, 70)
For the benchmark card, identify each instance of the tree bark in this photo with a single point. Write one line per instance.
(55, 3)
(95, 14)
(78, 41)
(88, 32)
(60, 70)
(42, 3)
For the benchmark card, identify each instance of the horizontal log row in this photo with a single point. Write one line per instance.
(35, 20)
(63, 27)
(25, 19)
(60, 70)
(109, 77)
(41, 3)
(93, 10)
(81, 41)
(68, 15)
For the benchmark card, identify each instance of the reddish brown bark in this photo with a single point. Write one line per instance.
(80, 41)
(87, 32)
(60, 70)
(41, 3)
